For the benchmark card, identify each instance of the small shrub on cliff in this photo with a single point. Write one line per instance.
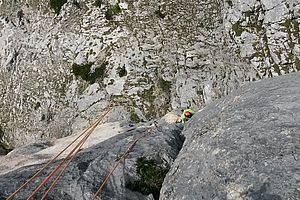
(159, 14)
(84, 71)
(122, 71)
(151, 177)
(111, 11)
(77, 4)
(5, 145)
(57, 4)
(134, 117)
(164, 85)
(98, 3)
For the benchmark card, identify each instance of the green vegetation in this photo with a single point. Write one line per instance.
(237, 28)
(297, 64)
(151, 177)
(258, 77)
(111, 82)
(122, 71)
(254, 22)
(112, 10)
(76, 3)
(159, 14)
(81, 87)
(5, 144)
(277, 69)
(37, 106)
(84, 71)
(147, 95)
(200, 92)
(164, 85)
(258, 54)
(144, 62)
(134, 117)
(98, 3)
(286, 69)
(249, 13)
(57, 4)
(291, 26)
(287, 23)
(296, 27)
(229, 3)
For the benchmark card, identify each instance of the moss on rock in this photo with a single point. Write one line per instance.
(84, 71)
(98, 3)
(150, 177)
(56, 5)
(5, 145)
(164, 85)
(112, 10)
(237, 28)
(297, 64)
(122, 71)
(134, 117)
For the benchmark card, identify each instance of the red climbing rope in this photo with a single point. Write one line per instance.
(113, 169)
(71, 157)
(68, 160)
(55, 157)
(44, 167)
(76, 149)
(63, 170)
(124, 155)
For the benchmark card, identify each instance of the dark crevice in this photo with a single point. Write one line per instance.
(151, 171)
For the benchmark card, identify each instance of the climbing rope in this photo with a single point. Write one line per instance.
(87, 131)
(123, 156)
(64, 169)
(44, 167)
(75, 151)
(71, 156)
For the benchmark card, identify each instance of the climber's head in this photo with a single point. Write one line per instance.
(187, 114)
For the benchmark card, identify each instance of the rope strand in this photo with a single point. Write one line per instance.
(66, 158)
(124, 155)
(45, 166)
(55, 157)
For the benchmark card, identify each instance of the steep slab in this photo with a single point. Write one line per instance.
(245, 146)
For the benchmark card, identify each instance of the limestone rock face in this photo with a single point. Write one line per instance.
(245, 146)
(266, 33)
(62, 63)
(60, 67)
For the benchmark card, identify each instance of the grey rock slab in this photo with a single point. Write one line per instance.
(244, 146)
(88, 170)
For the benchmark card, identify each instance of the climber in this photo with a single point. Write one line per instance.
(186, 115)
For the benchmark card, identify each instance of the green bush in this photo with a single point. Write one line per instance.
(164, 85)
(122, 71)
(237, 28)
(98, 3)
(57, 4)
(159, 14)
(112, 10)
(5, 145)
(134, 117)
(84, 71)
(151, 177)
(77, 4)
